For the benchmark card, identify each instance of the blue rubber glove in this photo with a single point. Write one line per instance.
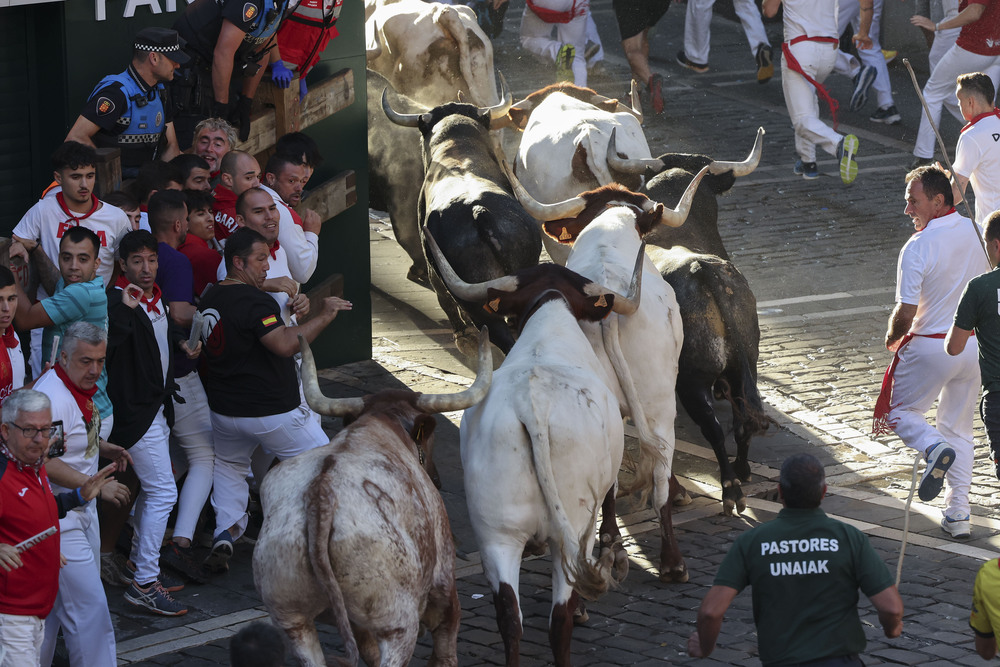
(281, 75)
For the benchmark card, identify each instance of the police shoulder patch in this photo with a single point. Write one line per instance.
(249, 11)
(105, 106)
(159, 118)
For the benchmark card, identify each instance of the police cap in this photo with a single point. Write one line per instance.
(162, 40)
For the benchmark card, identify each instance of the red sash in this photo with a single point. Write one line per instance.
(552, 16)
(794, 65)
(883, 406)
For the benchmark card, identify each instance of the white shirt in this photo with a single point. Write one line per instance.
(812, 18)
(65, 409)
(977, 158)
(302, 247)
(16, 366)
(934, 267)
(46, 223)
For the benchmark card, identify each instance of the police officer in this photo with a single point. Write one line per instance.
(127, 110)
(230, 42)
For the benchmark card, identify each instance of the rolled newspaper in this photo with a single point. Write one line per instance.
(32, 541)
(196, 325)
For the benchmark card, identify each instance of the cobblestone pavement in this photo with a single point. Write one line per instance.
(821, 259)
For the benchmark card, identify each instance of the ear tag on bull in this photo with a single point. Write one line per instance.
(565, 235)
(493, 305)
(601, 302)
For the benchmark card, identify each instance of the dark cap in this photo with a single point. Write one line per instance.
(162, 40)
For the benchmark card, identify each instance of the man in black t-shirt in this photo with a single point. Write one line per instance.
(250, 381)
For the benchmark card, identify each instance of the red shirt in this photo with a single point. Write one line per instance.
(982, 37)
(225, 212)
(27, 507)
(204, 262)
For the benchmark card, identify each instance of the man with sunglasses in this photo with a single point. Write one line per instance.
(81, 608)
(29, 530)
(127, 111)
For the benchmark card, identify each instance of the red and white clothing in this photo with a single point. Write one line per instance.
(934, 267)
(49, 218)
(977, 158)
(81, 608)
(569, 19)
(811, 38)
(11, 364)
(301, 247)
(977, 49)
(224, 210)
(697, 27)
(305, 32)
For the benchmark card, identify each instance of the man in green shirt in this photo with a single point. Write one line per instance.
(979, 311)
(805, 570)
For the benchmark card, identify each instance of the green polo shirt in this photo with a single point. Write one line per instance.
(805, 570)
(979, 311)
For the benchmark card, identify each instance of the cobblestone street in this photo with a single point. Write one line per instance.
(821, 259)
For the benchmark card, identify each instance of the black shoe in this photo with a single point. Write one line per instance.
(683, 61)
(222, 551)
(888, 115)
(863, 81)
(182, 560)
(765, 64)
(921, 162)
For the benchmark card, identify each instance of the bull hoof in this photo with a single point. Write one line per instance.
(467, 343)
(613, 552)
(733, 500)
(418, 274)
(682, 498)
(742, 470)
(580, 615)
(674, 575)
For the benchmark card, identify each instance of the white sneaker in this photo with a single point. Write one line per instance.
(957, 528)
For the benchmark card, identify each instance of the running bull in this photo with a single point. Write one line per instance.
(355, 532)
(606, 227)
(719, 311)
(467, 204)
(542, 449)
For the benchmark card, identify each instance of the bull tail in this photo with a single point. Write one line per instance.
(589, 580)
(321, 503)
(642, 483)
(451, 22)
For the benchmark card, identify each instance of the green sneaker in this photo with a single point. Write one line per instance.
(564, 62)
(846, 151)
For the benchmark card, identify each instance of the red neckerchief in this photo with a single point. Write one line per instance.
(9, 339)
(993, 112)
(84, 398)
(274, 249)
(150, 304)
(37, 465)
(144, 208)
(794, 65)
(94, 205)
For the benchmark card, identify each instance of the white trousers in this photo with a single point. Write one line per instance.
(940, 88)
(192, 432)
(536, 37)
(849, 14)
(698, 30)
(284, 435)
(927, 373)
(817, 60)
(20, 640)
(81, 608)
(157, 495)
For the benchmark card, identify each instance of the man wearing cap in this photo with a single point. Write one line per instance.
(126, 110)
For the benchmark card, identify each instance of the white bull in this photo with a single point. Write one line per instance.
(431, 52)
(564, 148)
(642, 350)
(543, 448)
(356, 531)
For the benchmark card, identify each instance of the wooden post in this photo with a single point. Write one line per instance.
(109, 171)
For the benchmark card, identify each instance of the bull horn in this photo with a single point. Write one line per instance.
(629, 165)
(675, 217)
(498, 111)
(628, 304)
(464, 399)
(404, 119)
(476, 292)
(745, 167)
(539, 211)
(636, 106)
(324, 405)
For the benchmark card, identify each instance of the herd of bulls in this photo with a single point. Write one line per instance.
(639, 307)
